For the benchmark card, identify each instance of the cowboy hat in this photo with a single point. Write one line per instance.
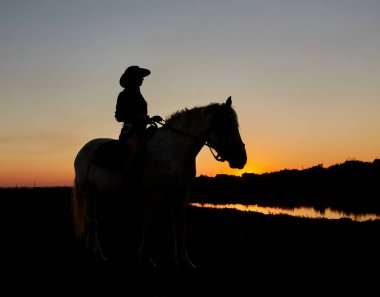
(133, 72)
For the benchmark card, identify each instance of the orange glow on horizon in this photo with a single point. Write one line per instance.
(48, 171)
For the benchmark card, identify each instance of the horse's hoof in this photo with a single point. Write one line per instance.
(186, 266)
(147, 263)
(97, 253)
(149, 266)
(104, 258)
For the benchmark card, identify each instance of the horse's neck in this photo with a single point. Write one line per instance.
(181, 140)
(195, 122)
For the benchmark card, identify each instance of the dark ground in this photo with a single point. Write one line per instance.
(237, 254)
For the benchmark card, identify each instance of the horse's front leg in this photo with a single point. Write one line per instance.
(151, 207)
(179, 227)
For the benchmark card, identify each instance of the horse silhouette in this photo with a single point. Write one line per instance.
(166, 175)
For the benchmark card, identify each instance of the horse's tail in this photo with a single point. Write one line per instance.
(78, 211)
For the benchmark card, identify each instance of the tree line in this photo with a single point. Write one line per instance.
(351, 186)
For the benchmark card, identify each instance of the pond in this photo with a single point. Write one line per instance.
(304, 212)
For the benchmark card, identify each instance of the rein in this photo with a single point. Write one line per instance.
(216, 155)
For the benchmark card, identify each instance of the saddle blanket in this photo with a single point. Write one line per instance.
(111, 155)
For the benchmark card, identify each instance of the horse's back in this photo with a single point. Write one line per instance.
(86, 155)
(87, 152)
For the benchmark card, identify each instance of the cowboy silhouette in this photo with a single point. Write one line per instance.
(132, 111)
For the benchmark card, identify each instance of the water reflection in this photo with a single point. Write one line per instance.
(305, 212)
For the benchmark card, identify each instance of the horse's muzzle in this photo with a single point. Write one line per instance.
(238, 158)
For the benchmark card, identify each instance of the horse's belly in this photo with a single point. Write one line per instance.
(167, 180)
(104, 181)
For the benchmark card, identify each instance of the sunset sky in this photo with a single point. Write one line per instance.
(304, 77)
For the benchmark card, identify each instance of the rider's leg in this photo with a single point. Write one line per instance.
(134, 148)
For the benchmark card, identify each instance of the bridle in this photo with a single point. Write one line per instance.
(215, 154)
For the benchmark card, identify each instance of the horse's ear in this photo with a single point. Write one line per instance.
(229, 102)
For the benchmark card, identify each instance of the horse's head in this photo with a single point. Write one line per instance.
(225, 138)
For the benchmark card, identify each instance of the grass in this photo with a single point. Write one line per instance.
(237, 253)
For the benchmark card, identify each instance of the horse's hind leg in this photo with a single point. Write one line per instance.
(92, 241)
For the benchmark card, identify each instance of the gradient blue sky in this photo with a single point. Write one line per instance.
(303, 76)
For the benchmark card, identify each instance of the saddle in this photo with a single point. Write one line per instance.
(111, 155)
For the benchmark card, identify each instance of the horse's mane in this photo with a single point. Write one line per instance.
(188, 114)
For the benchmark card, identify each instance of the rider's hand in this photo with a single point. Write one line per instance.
(156, 119)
